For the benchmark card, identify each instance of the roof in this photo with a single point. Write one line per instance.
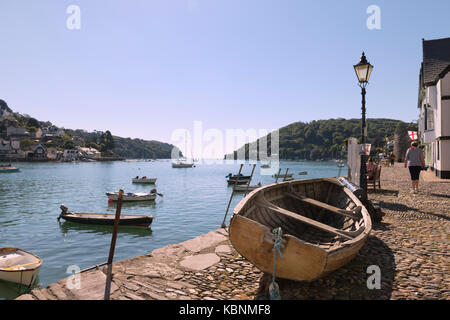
(436, 60)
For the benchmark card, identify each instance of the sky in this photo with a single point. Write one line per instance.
(147, 68)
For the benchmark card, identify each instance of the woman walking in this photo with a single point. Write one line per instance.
(415, 161)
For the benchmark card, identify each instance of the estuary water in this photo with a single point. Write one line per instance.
(194, 202)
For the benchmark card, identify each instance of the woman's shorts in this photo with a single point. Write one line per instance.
(415, 172)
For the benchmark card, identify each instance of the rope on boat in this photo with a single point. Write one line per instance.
(274, 289)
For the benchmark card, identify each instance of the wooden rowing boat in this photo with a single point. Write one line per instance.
(231, 182)
(247, 188)
(323, 224)
(19, 266)
(283, 175)
(105, 218)
(143, 180)
(137, 196)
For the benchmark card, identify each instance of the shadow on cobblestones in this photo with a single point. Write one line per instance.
(351, 282)
(398, 207)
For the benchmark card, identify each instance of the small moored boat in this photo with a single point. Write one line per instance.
(137, 196)
(302, 173)
(105, 218)
(19, 266)
(249, 188)
(143, 180)
(323, 225)
(182, 164)
(283, 175)
(4, 168)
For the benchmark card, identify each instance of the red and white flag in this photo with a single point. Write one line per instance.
(412, 135)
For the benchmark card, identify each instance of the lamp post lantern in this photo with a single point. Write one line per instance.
(363, 71)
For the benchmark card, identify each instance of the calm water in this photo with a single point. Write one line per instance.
(194, 203)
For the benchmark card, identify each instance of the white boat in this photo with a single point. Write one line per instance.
(143, 180)
(180, 164)
(244, 187)
(138, 196)
(19, 266)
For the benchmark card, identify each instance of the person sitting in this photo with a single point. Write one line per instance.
(371, 169)
(392, 159)
(137, 177)
(144, 177)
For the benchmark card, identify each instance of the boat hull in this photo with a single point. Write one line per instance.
(244, 188)
(237, 181)
(115, 197)
(8, 170)
(305, 256)
(108, 219)
(144, 181)
(27, 266)
(182, 165)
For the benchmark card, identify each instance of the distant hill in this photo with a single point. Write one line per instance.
(326, 139)
(141, 149)
(126, 147)
(4, 106)
(117, 146)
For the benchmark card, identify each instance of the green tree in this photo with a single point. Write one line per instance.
(69, 144)
(32, 122)
(25, 144)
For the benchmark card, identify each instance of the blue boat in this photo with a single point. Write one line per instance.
(8, 168)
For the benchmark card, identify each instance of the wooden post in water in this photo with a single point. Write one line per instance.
(232, 193)
(285, 175)
(250, 180)
(113, 246)
(278, 174)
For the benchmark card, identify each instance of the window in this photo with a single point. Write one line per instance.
(438, 145)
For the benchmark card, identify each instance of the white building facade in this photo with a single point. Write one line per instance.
(434, 104)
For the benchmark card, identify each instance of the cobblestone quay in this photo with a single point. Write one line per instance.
(410, 247)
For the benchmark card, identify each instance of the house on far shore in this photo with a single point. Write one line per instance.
(13, 132)
(70, 155)
(89, 153)
(40, 151)
(54, 154)
(434, 104)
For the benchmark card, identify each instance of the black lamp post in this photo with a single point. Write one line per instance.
(363, 70)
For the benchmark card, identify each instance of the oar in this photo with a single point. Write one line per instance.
(154, 191)
(20, 266)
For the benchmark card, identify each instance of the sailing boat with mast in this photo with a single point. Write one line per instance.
(181, 162)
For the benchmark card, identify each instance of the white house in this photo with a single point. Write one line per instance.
(434, 104)
(89, 153)
(70, 155)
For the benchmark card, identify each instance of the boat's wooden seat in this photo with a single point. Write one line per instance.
(352, 214)
(346, 234)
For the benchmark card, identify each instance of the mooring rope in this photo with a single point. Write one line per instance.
(274, 290)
